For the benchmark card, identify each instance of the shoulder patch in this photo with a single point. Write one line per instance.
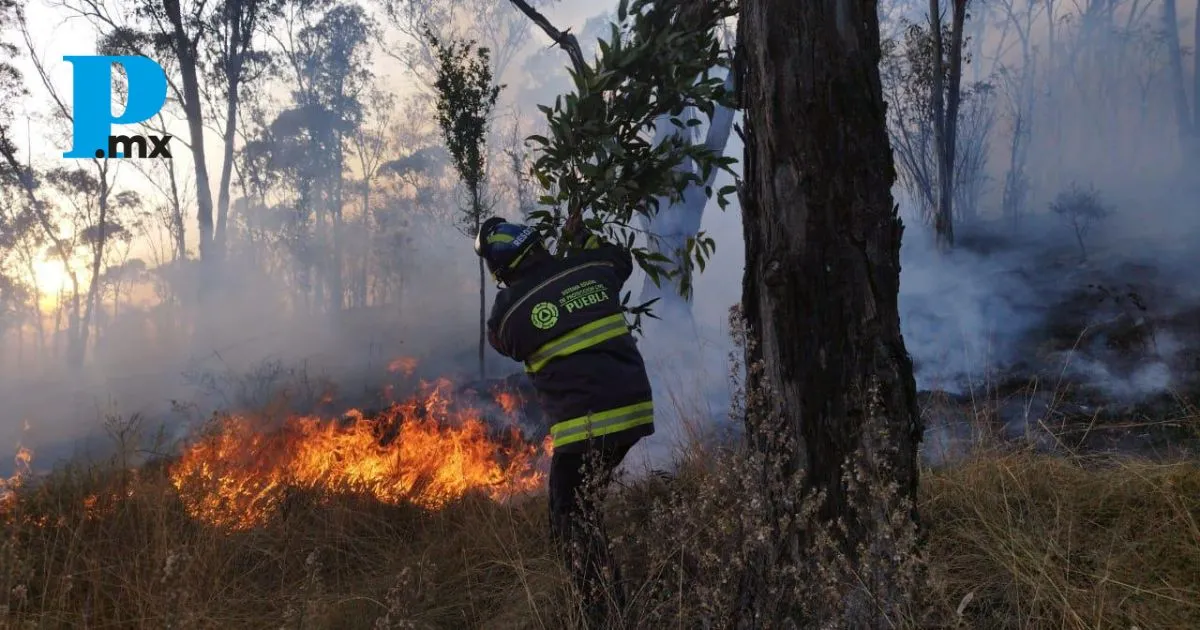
(544, 315)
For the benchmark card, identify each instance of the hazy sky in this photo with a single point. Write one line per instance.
(966, 307)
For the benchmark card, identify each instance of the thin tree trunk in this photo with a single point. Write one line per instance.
(1196, 87)
(1052, 86)
(185, 50)
(39, 324)
(941, 223)
(946, 95)
(953, 99)
(1079, 239)
(320, 258)
(233, 76)
(1016, 181)
(74, 336)
(1175, 62)
(177, 216)
(59, 307)
(482, 293)
(482, 321)
(822, 272)
(97, 261)
(364, 242)
(27, 185)
(336, 291)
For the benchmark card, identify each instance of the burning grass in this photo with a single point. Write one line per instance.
(425, 451)
(422, 516)
(1014, 540)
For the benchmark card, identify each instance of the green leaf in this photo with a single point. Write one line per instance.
(597, 151)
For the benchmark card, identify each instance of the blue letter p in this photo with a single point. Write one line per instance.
(92, 99)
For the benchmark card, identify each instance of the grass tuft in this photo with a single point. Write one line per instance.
(1012, 539)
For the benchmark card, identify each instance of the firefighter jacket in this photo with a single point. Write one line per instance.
(563, 320)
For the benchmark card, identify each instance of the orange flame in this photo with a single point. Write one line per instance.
(404, 364)
(238, 475)
(22, 468)
(509, 402)
(95, 506)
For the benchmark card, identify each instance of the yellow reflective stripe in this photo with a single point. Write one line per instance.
(516, 261)
(581, 338)
(603, 423)
(500, 238)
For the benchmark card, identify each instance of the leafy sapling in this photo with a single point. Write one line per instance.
(466, 96)
(597, 163)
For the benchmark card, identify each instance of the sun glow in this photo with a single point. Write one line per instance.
(51, 278)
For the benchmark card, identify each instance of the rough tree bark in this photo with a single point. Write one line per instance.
(822, 233)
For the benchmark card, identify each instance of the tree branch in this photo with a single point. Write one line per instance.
(564, 39)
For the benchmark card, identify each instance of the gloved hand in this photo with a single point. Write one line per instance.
(581, 237)
(574, 226)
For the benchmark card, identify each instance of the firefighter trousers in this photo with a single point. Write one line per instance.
(577, 485)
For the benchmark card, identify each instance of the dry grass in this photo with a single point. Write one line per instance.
(1017, 540)
(1036, 541)
(1012, 538)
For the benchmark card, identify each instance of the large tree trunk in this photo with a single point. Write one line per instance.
(822, 271)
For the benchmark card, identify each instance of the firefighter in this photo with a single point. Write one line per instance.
(562, 317)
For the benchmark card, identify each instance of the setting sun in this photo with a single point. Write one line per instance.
(51, 278)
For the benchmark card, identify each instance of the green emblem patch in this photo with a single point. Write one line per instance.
(545, 315)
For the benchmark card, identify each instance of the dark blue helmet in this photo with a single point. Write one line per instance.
(503, 245)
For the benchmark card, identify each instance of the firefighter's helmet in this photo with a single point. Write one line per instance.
(503, 245)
